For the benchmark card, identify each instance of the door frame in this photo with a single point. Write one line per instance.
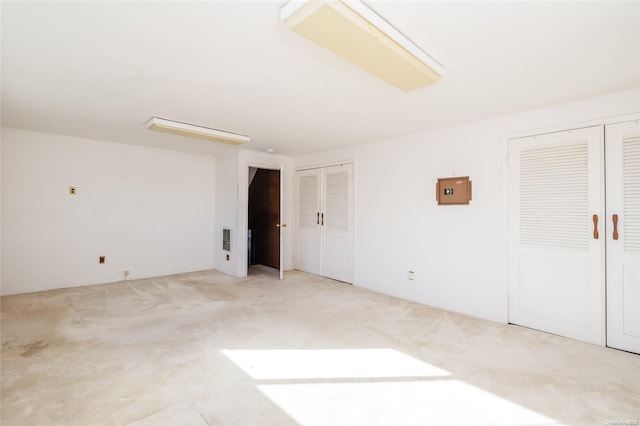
(274, 206)
(505, 194)
(243, 214)
(294, 218)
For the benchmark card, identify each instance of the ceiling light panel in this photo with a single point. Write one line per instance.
(353, 31)
(191, 130)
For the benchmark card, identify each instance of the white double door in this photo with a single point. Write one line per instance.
(324, 221)
(574, 234)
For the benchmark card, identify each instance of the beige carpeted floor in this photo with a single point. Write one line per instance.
(204, 348)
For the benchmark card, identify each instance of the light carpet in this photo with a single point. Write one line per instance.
(205, 348)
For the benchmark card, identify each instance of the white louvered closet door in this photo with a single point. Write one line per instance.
(337, 222)
(307, 248)
(556, 260)
(622, 143)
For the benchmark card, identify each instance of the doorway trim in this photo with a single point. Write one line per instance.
(602, 122)
(243, 212)
(294, 217)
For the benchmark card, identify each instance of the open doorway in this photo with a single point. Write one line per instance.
(263, 244)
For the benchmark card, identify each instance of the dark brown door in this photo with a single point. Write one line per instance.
(264, 217)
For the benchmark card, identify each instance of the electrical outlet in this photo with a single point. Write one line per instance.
(411, 275)
(101, 259)
(72, 190)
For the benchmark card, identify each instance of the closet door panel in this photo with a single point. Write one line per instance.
(308, 226)
(556, 263)
(622, 143)
(337, 230)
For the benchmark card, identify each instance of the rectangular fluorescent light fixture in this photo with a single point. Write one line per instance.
(191, 130)
(352, 30)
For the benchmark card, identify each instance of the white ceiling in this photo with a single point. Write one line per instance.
(102, 69)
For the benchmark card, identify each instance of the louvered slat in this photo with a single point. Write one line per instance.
(308, 208)
(554, 199)
(631, 177)
(337, 202)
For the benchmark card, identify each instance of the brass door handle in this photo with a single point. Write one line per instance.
(596, 235)
(322, 215)
(318, 218)
(615, 226)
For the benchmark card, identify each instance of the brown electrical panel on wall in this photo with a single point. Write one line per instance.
(453, 190)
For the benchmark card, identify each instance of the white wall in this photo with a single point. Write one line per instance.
(455, 251)
(149, 211)
(227, 211)
(1, 212)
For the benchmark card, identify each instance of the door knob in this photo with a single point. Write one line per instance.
(614, 218)
(278, 225)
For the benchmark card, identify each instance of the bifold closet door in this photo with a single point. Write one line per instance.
(622, 143)
(337, 222)
(324, 221)
(308, 186)
(556, 233)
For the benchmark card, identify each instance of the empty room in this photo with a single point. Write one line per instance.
(320, 213)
